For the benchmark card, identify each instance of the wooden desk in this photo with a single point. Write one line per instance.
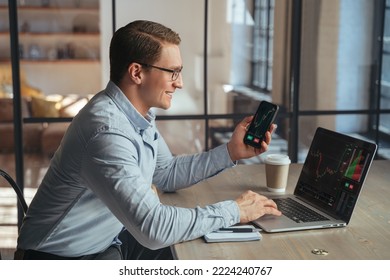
(367, 236)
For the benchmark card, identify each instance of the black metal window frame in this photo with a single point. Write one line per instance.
(263, 11)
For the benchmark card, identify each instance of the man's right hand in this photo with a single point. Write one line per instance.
(253, 205)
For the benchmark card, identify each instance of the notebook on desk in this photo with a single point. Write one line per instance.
(328, 187)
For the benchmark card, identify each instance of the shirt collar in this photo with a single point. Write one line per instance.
(139, 122)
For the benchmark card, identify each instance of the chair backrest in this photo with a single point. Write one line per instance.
(17, 189)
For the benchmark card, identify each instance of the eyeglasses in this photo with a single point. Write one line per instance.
(175, 73)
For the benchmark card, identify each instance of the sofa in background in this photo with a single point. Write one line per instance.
(37, 137)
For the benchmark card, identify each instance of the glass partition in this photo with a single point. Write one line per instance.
(59, 59)
(248, 56)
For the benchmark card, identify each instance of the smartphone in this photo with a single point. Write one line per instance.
(261, 122)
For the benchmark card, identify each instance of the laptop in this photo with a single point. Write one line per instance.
(328, 187)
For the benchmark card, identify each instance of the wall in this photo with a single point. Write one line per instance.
(319, 45)
(335, 63)
(354, 62)
(281, 75)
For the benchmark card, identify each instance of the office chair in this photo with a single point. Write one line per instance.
(18, 191)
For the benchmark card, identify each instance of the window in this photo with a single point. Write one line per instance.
(263, 11)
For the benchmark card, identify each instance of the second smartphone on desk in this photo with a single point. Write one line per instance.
(261, 122)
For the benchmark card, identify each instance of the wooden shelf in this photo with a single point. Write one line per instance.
(56, 43)
(54, 61)
(53, 9)
(80, 34)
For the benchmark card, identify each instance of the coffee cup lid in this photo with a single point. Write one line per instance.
(277, 159)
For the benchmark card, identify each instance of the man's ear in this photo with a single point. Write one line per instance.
(135, 72)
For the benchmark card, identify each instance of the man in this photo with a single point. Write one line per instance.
(96, 200)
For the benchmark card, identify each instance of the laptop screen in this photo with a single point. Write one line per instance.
(334, 171)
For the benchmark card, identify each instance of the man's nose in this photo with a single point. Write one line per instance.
(178, 83)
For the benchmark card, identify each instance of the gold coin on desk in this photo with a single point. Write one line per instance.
(320, 252)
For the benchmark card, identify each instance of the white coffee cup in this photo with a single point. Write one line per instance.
(276, 171)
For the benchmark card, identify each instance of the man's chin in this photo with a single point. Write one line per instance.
(163, 107)
(166, 106)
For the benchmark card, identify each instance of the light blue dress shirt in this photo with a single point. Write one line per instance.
(100, 178)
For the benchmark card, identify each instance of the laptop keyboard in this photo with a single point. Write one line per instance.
(298, 212)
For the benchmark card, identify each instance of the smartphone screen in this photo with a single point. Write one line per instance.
(262, 120)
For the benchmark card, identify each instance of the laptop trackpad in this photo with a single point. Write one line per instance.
(268, 222)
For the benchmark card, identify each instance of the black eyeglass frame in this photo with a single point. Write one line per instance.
(175, 73)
